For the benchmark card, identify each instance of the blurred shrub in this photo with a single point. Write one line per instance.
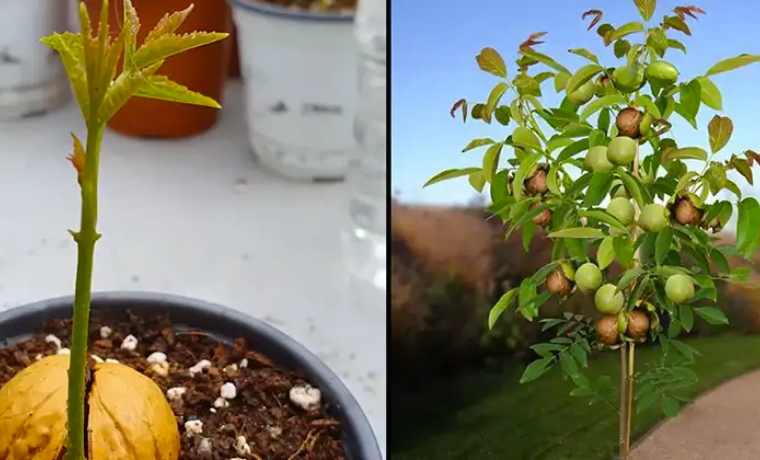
(450, 265)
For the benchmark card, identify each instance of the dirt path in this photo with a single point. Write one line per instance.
(724, 424)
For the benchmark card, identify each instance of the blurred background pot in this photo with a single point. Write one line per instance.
(32, 79)
(299, 69)
(202, 69)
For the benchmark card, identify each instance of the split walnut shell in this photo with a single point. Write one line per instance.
(628, 122)
(607, 330)
(543, 218)
(558, 284)
(536, 184)
(685, 212)
(638, 324)
(129, 418)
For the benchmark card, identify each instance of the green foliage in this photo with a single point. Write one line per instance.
(91, 59)
(634, 98)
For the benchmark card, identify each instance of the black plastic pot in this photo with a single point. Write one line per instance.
(358, 438)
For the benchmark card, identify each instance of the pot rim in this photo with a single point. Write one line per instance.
(257, 6)
(357, 426)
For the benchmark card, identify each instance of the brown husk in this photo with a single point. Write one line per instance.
(628, 122)
(638, 324)
(558, 284)
(606, 330)
(536, 184)
(685, 212)
(542, 219)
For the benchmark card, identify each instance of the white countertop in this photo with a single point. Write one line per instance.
(196, 218)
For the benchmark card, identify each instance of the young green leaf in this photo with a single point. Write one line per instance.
(579, 233)
(632, 186)
(606, 253)
(569, 366)
(747, 235)
(628, 277)
(477, 180)
(125, 86)
(536, 369)
(544, 59)
(621, 48)
(573, 149)
(686, 316)
(670, 406)
(646, 8)
(475, 143)
(584, 53)
(491, 161)
(675, 44)
(169, 24)
(160, 87)
(712, 315)
(674, 22)
(719, 130)
(686, 153)
(69, 47)
(599, 103)
(662, 244)
(493, 100)
(132, 25)
(583, 75)
(623, 249)
(524, 137)
(605, 217)
(689, 99)
(491, 61)
(167, 46)
(623, 31)
(504, 302)
(710, 94)
(742, 167)
(732, 63)
(450, 174)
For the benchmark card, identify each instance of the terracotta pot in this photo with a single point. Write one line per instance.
(234, 69)
(202, 69)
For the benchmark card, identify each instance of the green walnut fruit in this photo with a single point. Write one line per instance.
(646, 175)
(621, 150)
(608, 301)
(622, 322)
(679, 288)
(588, 277)
(629, 79)
(618, 189)
(582, 94)
(662, 73)
(646, 124)
(621, 209)
(596, 159)
(653, 218)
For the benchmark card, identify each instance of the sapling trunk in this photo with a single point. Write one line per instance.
(85, 239)
(623, 411)
(627, 356)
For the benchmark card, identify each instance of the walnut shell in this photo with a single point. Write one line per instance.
(542, 219)
(628, 122)
(129, 417)
(685, 212)
(638, 324)
(607, 330)
(558, 284)
(536, 184)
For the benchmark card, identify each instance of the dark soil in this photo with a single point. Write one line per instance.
(274, 427)
(316, 5)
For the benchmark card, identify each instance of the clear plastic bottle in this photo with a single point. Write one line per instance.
(367, 178)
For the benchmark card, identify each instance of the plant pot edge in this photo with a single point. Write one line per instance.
(359, 439)
(268, 9)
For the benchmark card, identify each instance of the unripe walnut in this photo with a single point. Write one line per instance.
(129, 419)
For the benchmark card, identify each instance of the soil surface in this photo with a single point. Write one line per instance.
(274, 427)
(316, 5)
(720, 425)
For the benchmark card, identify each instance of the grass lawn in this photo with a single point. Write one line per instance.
(489, 415)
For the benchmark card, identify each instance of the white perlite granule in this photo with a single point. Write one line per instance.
(129, 343)
(305, 396)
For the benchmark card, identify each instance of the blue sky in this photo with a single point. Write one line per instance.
(433, 49)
